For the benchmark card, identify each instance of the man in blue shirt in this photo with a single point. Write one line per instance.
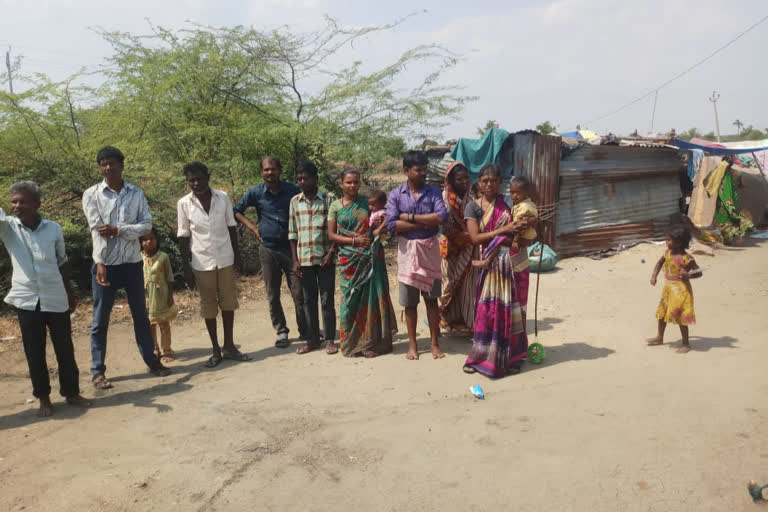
(41, 294)
(272, 201)
(415, 212)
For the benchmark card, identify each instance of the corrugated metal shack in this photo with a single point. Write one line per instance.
(596, 197)
(612, 195)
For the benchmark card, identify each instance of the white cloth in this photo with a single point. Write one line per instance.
(128, 211)
(209, 232)
(36, 257)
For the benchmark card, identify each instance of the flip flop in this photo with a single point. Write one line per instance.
(282, 343)
(234, 355)
(469, 369)
(331, 348)
(306, 349)
(213, 361)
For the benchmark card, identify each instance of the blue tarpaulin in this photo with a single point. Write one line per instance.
(572, 135)
(683, 144)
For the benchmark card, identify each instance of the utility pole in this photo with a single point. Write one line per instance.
(714, 99)
(8, 65)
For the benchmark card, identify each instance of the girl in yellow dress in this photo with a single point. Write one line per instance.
(676, 305)
(158, 284)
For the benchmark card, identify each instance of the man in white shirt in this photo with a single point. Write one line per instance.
(41, 294)
(118, 214)
(208, 241)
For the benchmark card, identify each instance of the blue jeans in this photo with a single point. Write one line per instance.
(129, 276)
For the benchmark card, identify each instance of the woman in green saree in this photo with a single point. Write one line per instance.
(732, 222)
(367, 319)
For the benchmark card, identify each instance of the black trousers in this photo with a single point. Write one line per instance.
(274, 264)
(319, 280)
(33, 325)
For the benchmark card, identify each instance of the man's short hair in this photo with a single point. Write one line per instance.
(27, 187)
(307, 168)
(412, 158)
(196, 167)
(271, 159)
(109, 152)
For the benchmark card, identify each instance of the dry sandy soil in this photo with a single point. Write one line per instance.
(606, 423)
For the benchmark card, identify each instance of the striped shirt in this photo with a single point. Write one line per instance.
(308, 226)
(128, 211)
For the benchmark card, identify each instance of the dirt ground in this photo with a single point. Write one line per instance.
(606, 423)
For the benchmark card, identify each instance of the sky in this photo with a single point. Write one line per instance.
(570, 62)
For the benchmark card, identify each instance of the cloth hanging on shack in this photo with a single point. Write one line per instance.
(475, 153)
(694, 163)
(702, 208)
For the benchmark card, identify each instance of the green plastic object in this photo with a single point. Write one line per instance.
(536, 353)
(548, 260)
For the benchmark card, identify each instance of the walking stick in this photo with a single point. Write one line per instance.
(536, 301)
(536, 351)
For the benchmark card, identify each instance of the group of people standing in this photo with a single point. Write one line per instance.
(307, 235)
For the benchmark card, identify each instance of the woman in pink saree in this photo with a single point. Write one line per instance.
(499, 343)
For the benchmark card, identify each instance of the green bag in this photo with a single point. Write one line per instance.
(548, 259)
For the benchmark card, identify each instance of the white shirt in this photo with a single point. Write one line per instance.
(128, 211)
(36, 257)
(209, 232)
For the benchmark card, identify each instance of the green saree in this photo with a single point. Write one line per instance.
(367, 319)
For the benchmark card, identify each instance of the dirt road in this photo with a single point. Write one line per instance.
(606, 423)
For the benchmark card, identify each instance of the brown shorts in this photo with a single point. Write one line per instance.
(218, 290)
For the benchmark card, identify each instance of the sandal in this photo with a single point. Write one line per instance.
(282, 341)
(306, 348)
(158, 370)
(101, 382)
(213, 361)
(167, 358)
(235, 355)
(331, 348)
(469, 369)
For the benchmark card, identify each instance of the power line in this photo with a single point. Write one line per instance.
(681, 74)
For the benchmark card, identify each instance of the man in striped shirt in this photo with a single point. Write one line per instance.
(118, 214)
(313, 257)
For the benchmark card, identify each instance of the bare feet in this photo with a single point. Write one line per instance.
(654, 341)
(684, 349)
(437, 353)
(167, 358)
(413, 352)
(78, 401)
(46, 408)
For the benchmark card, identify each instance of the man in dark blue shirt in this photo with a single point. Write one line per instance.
(272, 202)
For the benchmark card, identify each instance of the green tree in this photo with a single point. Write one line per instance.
(546, 128)
(739, 125)
(226, 96)
(691, 133)
(482, 130)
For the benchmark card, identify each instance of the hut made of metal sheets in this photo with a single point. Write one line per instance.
(613, 195)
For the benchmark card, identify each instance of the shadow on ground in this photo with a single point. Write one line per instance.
(566, 352)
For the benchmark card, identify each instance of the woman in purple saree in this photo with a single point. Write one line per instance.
(499, 343)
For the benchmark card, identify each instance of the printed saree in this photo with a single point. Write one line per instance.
(497, 347)
(367, 319)
(457, 303)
